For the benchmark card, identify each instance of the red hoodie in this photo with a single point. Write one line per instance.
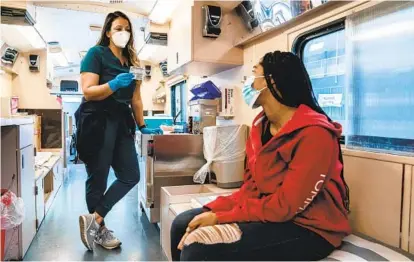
(295, 176)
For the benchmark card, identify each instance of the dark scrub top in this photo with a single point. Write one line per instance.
(100, 60)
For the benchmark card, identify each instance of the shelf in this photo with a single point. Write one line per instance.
(8, 70)
(15, 121)
(247, 39)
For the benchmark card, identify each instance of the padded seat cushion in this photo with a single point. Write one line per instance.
(353, 248)
(359, 248)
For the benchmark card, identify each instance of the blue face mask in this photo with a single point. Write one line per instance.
(250, 94)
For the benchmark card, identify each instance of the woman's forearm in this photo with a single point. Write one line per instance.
(97, 93)
(138, 111)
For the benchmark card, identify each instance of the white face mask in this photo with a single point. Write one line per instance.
(121, 38)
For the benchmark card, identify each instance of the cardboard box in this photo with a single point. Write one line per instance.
(227, 101)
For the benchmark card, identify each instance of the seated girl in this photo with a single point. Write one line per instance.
(294, 202)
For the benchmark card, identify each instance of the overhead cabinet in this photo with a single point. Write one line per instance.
(191, 53)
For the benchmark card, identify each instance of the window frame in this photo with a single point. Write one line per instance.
(182, 85)
(300, 41)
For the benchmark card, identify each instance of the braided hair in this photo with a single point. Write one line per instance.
(294, 88)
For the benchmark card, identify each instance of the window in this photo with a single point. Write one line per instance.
(371, 64)
(178, 104)
(381, 77)
(323, 53)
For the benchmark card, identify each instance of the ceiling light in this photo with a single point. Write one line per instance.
(163, 10)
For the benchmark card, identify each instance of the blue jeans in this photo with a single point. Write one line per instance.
(259, 242)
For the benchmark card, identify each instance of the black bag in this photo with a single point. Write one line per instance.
(90, 121)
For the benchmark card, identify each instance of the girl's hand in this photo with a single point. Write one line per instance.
(202, 220)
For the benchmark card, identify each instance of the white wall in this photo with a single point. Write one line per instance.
(31, 87)
(5, 85)
(149, 87)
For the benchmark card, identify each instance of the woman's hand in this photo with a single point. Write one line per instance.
(203, 220)
(121, 81)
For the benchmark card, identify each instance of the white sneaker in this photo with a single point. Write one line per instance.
(106, 239)
(88, 230)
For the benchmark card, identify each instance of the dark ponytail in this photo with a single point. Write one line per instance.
(294, 88)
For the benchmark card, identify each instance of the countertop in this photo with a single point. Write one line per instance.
(16, 121)
(43, 170)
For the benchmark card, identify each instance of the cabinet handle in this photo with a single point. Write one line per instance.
(177, 57)
(22, 161)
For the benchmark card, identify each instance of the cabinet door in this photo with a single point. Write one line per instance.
(142, 182)
(26, 135)
(27, 184)
(40, 202)
(376, 188)
(180, 37)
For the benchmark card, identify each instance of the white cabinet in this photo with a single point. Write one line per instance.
(17, 173)
(49, 179)
(180, 38)
(192, 54)
(28, 227)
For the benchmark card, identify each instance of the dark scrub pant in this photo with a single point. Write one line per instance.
(259, 242)
(118, 150)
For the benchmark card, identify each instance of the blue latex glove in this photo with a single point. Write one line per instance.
(150, 131)
(121, 81)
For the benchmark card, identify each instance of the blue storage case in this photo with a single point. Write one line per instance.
(206, 90)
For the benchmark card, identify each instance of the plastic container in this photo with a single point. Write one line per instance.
(206, 90)
(203, 112)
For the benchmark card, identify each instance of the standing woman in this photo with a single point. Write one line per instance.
(106, 126)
